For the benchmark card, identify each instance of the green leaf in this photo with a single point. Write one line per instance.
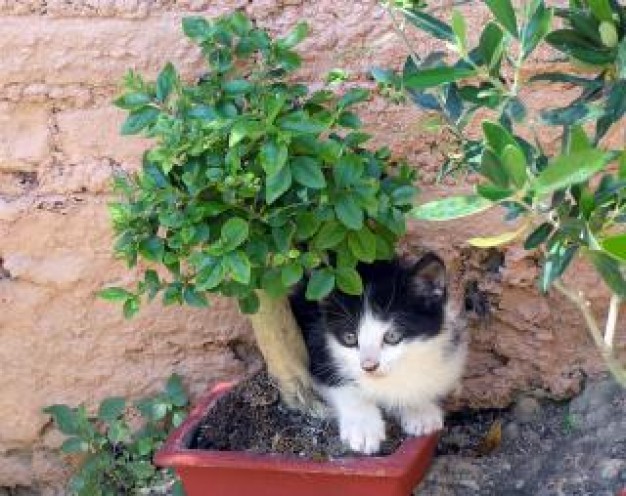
(238, 266)
(330, 235)
(349, 281)
(362, 244)
(573, 114)
(194, 298)
(459, 27)
(196, 27)
(64, 417)
(450, 208)
(615, 246)
(111, 409)
(300, 123)
(291, 273)
(131, 101)
(244, 129)
(615, 109)
(165, 82)
(403, 195)
(492, 169)
(277, 184)
(601, 9)
(490, 44)
(492, 192)
(558, 259)
(567, 170)
(152, 248)
(298, 34)
(114, 294)
(349, 212)
(320, 284)
(609, 269)
(176, 391)
(234, 232)
(210, 277)
(131, 307)
(429, 24)
(577, 140)
(577, 46)
(307, 224)
(308, 172)
(118, 432)
(283, 236)
(620, 62)
(139, 120)
(422, 79)
(504, 12)
(538, 236)
(497, 137)
(249, 304)
(352, 97)
(536, 29)
(514, 162)
(348, 170)
(237, 87)
(273, 156)
(272, 283)
(74, 445)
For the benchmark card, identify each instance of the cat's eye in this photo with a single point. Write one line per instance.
(349, 338)
(392, 337)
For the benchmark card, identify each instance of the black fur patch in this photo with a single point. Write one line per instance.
(412, 296)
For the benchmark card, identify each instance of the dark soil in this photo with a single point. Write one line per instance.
(536, 448)
(251, 418)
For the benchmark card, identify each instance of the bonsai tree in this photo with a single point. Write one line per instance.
(253, 185)
(566, 204)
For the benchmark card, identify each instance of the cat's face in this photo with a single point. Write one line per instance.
(400, 308)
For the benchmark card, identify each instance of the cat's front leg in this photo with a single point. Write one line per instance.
(422, 419)
(361, 424)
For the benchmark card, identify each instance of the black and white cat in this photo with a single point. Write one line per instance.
(394, 348)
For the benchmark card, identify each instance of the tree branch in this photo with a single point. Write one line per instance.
(611, 321)
(592, 325)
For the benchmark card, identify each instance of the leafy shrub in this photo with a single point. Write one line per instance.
(569, 204)
(115, 459)
(253, 181)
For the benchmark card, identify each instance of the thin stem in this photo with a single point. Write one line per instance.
(611, 321)
(582, 304)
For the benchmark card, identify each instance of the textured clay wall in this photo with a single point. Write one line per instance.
(59, 145)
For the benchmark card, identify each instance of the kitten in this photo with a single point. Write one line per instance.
(392, 349)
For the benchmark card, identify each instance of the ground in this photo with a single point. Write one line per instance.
(542, 448)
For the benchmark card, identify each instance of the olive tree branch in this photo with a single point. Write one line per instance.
(578, 299)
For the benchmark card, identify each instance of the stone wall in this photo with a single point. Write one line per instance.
(59, 145)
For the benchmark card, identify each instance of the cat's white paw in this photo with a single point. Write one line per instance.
(363, 433)
(419, 422)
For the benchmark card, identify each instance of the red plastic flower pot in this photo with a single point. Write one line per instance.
(234, 473)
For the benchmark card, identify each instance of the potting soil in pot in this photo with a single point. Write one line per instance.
(251, 418)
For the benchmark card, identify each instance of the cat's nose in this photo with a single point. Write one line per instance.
(369, 365)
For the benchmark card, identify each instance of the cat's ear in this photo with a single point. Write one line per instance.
(429, 276)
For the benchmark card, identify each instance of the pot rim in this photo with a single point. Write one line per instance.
(175, 453)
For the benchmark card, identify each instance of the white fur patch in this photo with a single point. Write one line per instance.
(361, 425)
(421, 420)
(371, 332)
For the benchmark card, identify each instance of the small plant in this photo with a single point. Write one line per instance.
(567, 204)
(253, 184)
(115, 459)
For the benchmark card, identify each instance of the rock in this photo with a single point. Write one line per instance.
(526, 409)
(594, 396)
(610, 468)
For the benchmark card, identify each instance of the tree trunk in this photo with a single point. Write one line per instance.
(280, 341)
